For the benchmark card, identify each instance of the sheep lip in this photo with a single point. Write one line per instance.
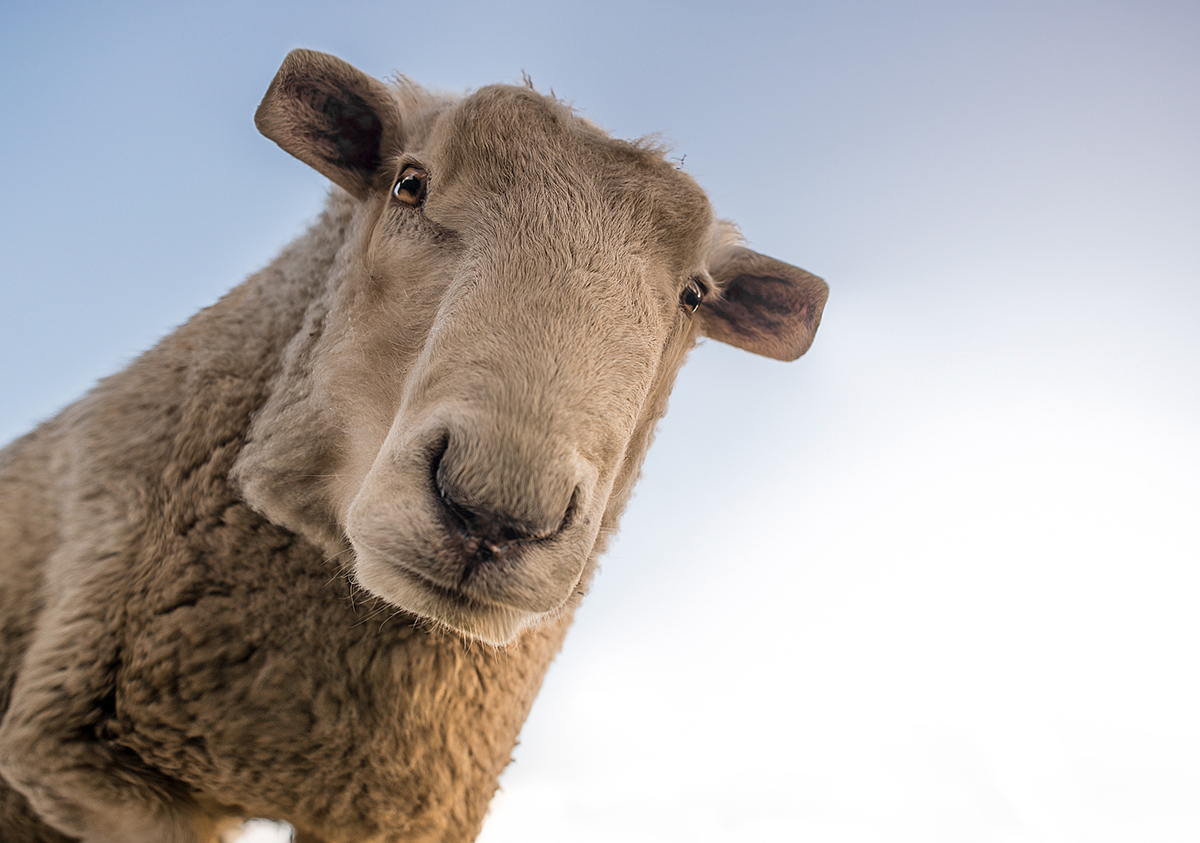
(452, 594)
(474, 617)
(460, 597)
(435, 570)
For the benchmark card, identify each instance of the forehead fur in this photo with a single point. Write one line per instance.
(515, 143)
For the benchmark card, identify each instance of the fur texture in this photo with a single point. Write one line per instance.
(310, 557)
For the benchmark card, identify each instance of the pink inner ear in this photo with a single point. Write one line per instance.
(330, 116)
(772, 316)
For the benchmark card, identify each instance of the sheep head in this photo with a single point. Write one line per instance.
(465, 416)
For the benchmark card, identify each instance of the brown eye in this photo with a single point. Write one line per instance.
(410, 187)
(691, 296)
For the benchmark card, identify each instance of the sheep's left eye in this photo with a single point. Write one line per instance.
(691, 296)
(410, 187)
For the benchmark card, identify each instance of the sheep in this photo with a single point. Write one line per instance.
(431, 408)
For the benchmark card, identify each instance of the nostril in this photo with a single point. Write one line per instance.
(483, 525)
(442, 483)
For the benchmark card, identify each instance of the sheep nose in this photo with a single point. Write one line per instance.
(489, 524)
(492, 530)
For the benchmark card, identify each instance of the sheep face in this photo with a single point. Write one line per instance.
(464, 420)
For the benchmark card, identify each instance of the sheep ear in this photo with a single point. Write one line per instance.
(331, 116)
(765, 306)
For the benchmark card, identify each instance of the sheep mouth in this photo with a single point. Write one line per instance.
(472, 615)
(450, 594)
(474, 574)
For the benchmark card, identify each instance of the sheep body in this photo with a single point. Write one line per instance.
(187, 642)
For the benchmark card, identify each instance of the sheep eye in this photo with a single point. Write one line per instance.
(691, 296)
(410, 187)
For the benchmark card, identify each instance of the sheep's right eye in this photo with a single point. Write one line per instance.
(410, 187)
(692, 296)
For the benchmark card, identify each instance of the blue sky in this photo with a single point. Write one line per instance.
(935, 581)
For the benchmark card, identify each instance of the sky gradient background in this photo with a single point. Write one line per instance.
(936, 581)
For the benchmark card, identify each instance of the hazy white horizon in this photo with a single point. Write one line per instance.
(936, 581)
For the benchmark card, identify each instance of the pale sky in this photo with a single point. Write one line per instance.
(936, 581)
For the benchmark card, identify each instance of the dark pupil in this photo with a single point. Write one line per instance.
(691, 298)
(411, 184)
